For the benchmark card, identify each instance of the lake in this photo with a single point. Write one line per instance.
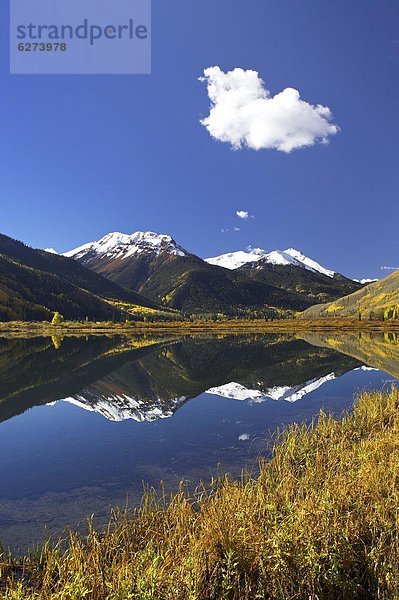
(86, 422)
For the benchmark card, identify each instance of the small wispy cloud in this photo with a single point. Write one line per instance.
(385, 268)
(243, 113)
(244, 215)
(227, 229)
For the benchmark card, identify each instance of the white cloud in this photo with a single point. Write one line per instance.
(244, 114)
(244, 214)
(385, 268)
(237, 229)
(244, 437)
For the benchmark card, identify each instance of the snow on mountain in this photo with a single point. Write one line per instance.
(308, 263)
(51, 250)
(121, 245)
(236, 391)
(364, 281)
(233, 260)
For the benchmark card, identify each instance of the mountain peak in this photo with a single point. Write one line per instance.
(233, 260)
(307, 263)
(122, 245)
(291, 256)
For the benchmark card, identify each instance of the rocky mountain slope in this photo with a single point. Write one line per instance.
(34, 284)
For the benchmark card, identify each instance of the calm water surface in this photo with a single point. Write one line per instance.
(85, 421)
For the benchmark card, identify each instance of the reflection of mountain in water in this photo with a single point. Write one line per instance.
(237, 391)
(37, 371)
(261, 367)
(122, 407)
(146, 379)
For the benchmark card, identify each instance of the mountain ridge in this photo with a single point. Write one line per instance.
(290, 256)
(122, 245)
(157, 267)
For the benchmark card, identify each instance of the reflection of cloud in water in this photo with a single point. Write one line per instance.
(236, 391)
(244, 437)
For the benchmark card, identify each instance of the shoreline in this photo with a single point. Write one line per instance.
(233, 326)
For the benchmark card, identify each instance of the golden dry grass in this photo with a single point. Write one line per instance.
(319, 522)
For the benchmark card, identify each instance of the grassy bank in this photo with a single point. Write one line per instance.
(320, 522)
(44, 328)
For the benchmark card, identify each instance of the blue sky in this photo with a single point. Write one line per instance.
(81, 156)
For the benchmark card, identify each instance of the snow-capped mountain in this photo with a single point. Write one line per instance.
(121, 246)
(236, 391)
(234, 260)
(157, 267)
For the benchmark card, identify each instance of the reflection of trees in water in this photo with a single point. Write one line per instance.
(152, 376)
(378, 350)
